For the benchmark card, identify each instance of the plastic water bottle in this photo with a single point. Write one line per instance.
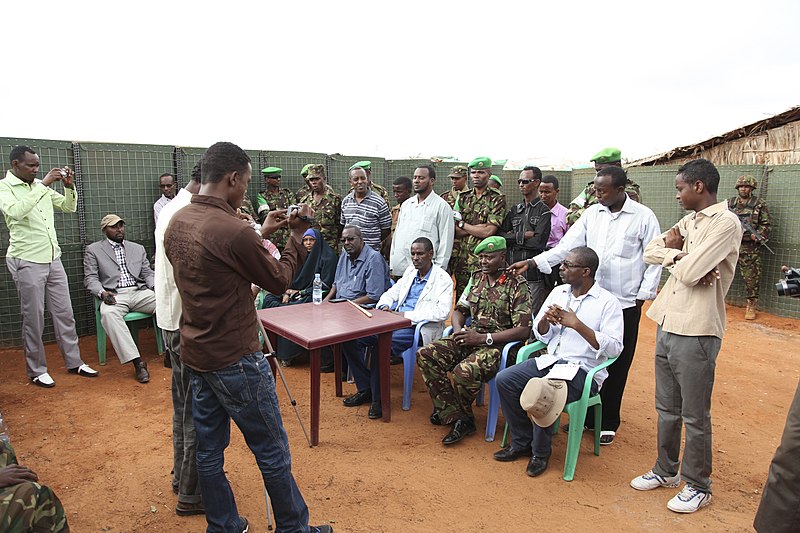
(316, 291)
(4, 431)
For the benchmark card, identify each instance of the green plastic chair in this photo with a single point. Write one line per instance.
(131, 318)
(577, 414)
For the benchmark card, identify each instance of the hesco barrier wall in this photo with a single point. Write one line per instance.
(123, 179)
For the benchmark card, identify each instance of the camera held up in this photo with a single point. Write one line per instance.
(790, 284)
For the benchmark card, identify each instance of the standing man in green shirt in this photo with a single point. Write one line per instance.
(34, 260)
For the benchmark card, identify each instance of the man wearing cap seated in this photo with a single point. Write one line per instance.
(499, 304)
(327, 205)
(425, 292)
(274, 197)
(118, 273)
(362, 276)
(482, 211)
(582, 325)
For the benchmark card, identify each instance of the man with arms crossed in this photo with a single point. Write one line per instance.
(700, 252)
(216, 257)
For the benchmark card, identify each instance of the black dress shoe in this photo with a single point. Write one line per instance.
(142, 375)
(435, 420)
(510, 454)
(326, 369)
(189, 509)
(460, 429)
(375, 410)
(537, 466)
(396, 360)
(359, 398)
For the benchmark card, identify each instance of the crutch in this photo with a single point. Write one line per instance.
(271, 353)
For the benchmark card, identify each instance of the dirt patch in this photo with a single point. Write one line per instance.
(105, 446)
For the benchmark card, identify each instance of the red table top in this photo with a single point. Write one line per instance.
(315, 326)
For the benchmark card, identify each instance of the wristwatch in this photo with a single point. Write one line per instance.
(489, 339)
(461, 224)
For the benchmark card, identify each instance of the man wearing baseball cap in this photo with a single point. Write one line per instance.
(118, 272)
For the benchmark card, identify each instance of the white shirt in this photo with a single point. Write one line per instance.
(159, 205)
(599, 310)
(431, 218)
(619, 239)
(168, 301)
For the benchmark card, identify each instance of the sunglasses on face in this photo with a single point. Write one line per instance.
(569, 264)
(524, 182)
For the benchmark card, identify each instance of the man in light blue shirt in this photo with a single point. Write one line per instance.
(362, 276)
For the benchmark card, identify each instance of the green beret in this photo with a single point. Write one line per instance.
(272, 172)
(480, 162)
(491, 244)
(607, 155)
(304, 172)
(366, 165)
(497, 179)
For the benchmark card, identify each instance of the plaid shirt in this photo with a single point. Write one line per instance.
(125, 278)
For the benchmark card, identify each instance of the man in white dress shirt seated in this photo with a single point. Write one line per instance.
(425, 292)
(582, 325)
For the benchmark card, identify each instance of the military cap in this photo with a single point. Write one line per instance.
(748, 181)
(366, 165)
(480, 162)
(304, 172)
(110, 220)
(272, 172)
(316, 170)
(607, 155)
(458, 171)
(491, 244)
(497, 180)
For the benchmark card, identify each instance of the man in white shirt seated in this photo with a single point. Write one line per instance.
(582, 324)
(425, 292)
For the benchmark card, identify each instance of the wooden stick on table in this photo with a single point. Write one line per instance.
(367, 313)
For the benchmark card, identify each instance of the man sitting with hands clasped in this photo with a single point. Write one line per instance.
(582, 325)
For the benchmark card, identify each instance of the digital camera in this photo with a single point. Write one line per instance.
(790, 284)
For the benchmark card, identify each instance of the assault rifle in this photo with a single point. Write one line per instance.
(759, 238)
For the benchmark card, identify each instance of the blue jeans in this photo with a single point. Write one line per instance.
(244, 392)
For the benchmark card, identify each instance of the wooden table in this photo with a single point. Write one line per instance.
(316, 326)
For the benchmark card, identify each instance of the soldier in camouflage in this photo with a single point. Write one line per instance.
(25, 505)
(752, 210)
(271, 199)
(458, 177)
(327, 205)
(499, 304)
(607, 157)
(482, 211)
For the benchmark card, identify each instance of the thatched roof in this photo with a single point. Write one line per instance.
(750, 131)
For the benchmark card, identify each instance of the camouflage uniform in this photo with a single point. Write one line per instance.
(269, 201)
(493, 308)
(489, 208)
(588, 198)
(327, 213)
(28, 506)
(451, 196)
(753, 210)
(247, 208)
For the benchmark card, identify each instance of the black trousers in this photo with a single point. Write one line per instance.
(614, 385)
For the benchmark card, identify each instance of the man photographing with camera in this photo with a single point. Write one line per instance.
(216, 257)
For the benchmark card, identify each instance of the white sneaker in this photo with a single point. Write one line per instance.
(44, 380)
(689, 500)
(651, 480)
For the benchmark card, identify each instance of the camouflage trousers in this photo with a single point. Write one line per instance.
(29, 506)
(462, 269)
(470, 366)
(749, 267)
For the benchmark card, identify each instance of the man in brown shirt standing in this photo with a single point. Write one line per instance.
(700, 252)
(216, 257)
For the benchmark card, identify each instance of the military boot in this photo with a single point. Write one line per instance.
(750, 312)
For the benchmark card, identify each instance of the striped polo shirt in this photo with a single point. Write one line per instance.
(371, 216)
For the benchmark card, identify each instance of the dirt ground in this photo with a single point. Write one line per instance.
(105, 446)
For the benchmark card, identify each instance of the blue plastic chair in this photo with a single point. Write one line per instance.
(409, 365)
(131, 319)
(576, 411)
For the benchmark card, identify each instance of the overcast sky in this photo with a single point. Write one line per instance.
(505, 79)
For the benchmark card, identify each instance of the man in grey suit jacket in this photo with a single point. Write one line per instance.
(118, 273)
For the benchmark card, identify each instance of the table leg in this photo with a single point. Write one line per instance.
(385, 355)
(315, 396)
(337, 368)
